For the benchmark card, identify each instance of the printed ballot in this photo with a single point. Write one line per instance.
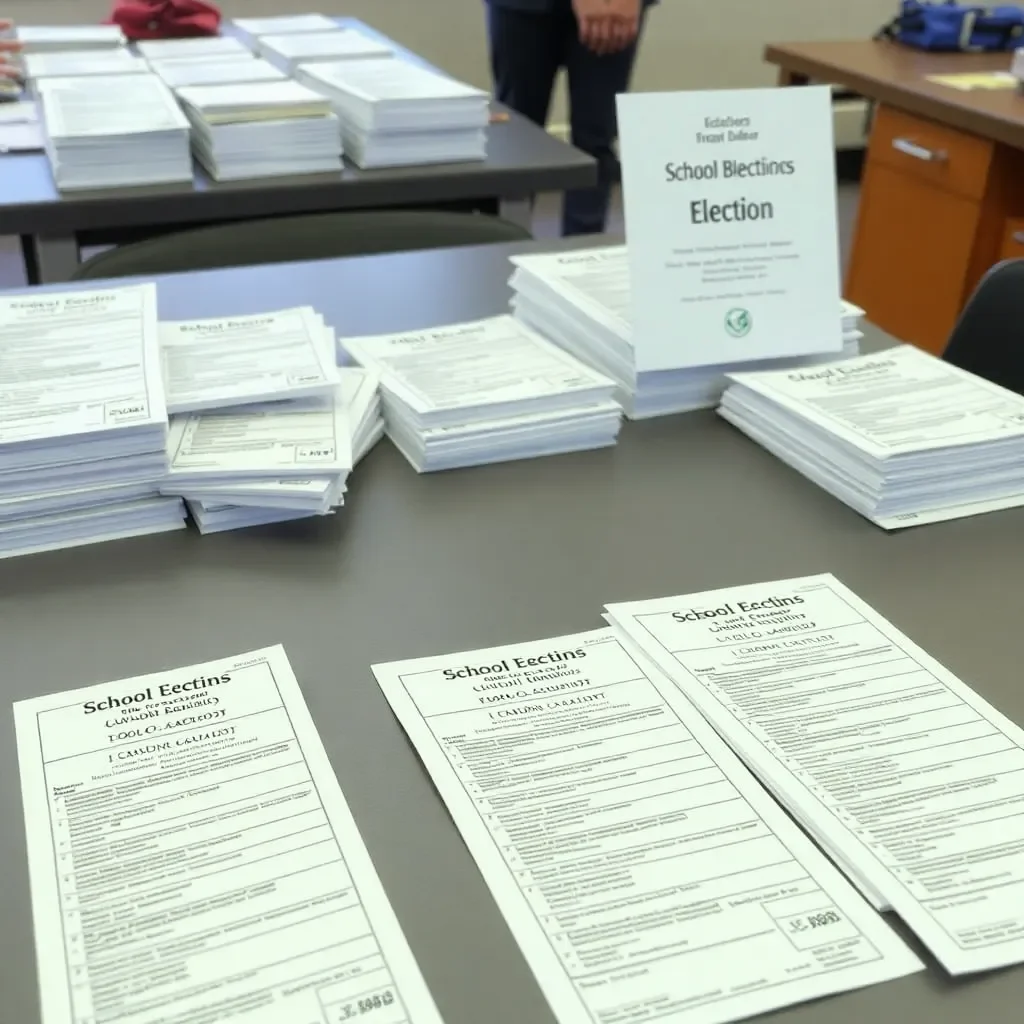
(101, 133)
(486, 391)
(636, 861)
(259, 129)
(900, 436)
(252, 29)
(730, 203)
(872, 744)
(193, 858)
(244, 360)
(394, 112)
(240, 500)
(581, 299)
(83, 424)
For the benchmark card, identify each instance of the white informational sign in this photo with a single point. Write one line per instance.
(730, 202)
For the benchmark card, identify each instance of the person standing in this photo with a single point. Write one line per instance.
(596, 42)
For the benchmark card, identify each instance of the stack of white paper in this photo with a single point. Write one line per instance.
(488, 391)
(293, 49)
(262, 129)
(274, 462)
(244, 360)
(908, 779)
(200, 48)
(252, 29)
(79, 63)
(214, 71)
(397, 113)
(901, 436)
(101, 134)
(55, 38)
(581, 301)
(83, 423)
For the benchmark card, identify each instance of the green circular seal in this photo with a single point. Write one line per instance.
(738, 322)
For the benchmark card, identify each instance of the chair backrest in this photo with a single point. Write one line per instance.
(988, 338)
(306, 237)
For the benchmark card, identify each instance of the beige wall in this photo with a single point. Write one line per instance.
(690, 43)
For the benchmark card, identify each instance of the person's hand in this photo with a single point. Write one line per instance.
(8, 68)
(607, 26)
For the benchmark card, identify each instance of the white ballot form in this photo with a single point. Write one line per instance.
(730, 204)
(79, 367)
(643, 871)
(304, 437)
(247, 359)
(193, 858)
(901, 436)
(902, 768)
(482, 369)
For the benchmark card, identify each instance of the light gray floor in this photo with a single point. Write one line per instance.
(545, 225)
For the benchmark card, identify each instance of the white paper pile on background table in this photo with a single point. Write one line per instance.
(900, 436)
(291, 50)
(83, 424)
(54, 38)
(101, 134)
(200, 48)
(487, 391)
(214, 71)
(262, 129)
(396, 113)
(252, 29)
(581, 300)
(80, 63)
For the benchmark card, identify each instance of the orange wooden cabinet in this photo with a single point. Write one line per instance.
(1013, 240)
(935, 209)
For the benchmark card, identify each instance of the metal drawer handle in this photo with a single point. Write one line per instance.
(935, 156)
(1018, 237)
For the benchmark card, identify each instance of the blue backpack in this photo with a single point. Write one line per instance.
(953, 27)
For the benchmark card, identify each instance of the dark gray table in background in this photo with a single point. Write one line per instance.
(414, 566)
(521, 159)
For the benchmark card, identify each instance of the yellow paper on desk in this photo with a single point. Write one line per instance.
(968, 80)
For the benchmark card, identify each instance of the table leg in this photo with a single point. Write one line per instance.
(788, 77)
(51, 259)
(518, 211)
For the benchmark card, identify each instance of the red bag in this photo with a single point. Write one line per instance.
(165, 19)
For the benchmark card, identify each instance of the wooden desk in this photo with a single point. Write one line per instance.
(942, 195)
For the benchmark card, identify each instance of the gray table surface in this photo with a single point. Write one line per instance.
(415, 566)
(522, 159)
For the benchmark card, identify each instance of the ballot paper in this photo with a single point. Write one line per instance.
(290, 50)
(486, 391)
(262, 129)
(243, 360)
(582, 300)
(77, 63)
(203, 46)
(192, 857)
(302, 438)
(254, 28)
(900, 766)
(641, 868)
(900, 436)
(100, 134)
(56, 38)
(394, 112)
(215, 71)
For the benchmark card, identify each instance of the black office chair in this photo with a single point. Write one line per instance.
(987, 339)
(306, 237)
